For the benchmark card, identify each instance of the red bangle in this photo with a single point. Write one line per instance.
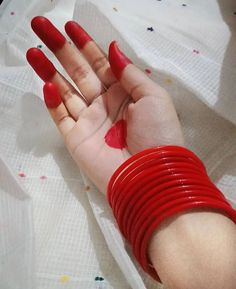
(166, 195)
(163, 177)
(140, 157)
(155, 184)
(157, 189)
(139, 166)
(148, 174)
(162, 184)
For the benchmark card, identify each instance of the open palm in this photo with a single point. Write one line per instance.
(114, 115)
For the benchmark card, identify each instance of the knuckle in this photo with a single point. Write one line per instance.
(135, 90)
(80, 73)
(62, 118)
(99, 63)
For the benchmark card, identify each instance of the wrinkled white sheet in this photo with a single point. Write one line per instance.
(191, 52)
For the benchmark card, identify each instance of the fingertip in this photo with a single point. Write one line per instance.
(117, 59)
(51, 94)
(69, 25)
(29, 54)
(77, 34)
(40, 63)
(37, 20)
(48, 33)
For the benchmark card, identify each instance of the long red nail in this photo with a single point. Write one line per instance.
(41, 65)
(48, 33)
(52, 96)
(77, 34)
(117, 59)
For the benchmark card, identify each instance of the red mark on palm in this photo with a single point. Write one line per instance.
(116, 135)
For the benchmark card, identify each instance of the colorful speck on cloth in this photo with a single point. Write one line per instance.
(43, 178)
(196, 51)
(21, 174)
(97, 278)
(148, 71)
(150, 29)
(87, 188)
(64, 279)
(12, 13)
(169, 81)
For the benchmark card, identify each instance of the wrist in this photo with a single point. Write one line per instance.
(188, 245)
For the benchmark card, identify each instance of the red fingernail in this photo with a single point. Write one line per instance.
(117, 59)
(41, 65)
(52, 96)
(77, 34)
(48, 33)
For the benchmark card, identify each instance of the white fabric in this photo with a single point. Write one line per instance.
(191, 52)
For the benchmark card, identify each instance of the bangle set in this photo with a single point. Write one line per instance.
(154, 185)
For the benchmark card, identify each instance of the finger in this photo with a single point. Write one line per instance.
(133, 80)
(57, 109)
(92, 53)
(47, 72)
(70, 58)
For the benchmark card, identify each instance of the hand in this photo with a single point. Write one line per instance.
(119, 110)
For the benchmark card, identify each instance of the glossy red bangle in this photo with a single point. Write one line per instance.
(166, 182)
(145, 174)
(170, 194)
(163, 177)
(142, 164)
(141, 156)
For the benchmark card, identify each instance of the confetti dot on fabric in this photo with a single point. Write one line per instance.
(43, 178)
(115, 9)
(99, 278)
(12, 13)
(64, 279)
(22, 175)
(150, 29)
(169, 81)
(148, 71)
(196, 51)
(39, 46)
(184, 5)
(87, 188)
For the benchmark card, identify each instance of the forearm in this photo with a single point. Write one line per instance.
(195, 250)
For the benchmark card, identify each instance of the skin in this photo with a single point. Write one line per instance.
(184, 247)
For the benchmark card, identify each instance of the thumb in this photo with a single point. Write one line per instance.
(134, 81)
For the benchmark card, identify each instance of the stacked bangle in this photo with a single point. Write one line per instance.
(154, 185)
